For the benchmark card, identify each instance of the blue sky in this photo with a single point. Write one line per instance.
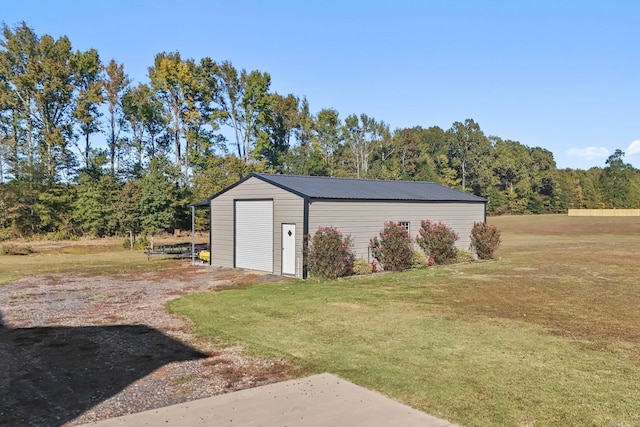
(562, 75)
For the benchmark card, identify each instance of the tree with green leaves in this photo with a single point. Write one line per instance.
(188, 92)
(54, 99)
(590, 184)
(8, 211)
(362, 136)
(170, 76)
(327, 137)
(201, 115)
(96, 193)
(570, 189)
(39, 209)
(17, 99)
(221, 172)
(256, 105)
(230, 101)
(274, 135)
(39, 93)
(127, 210)
(544, 179)
(303, 156)
(116, 83)
(145, 115)
(87, 75)
(159, 196)
(616, 182)
(134, 101)
(244, 102)
(404, 156)
(50, 98)
(469, 154)
(511, 168)
(6, 145)
(305, 123)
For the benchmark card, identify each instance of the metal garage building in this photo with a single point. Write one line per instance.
(259, 222)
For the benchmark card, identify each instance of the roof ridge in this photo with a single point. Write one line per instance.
(264, 174)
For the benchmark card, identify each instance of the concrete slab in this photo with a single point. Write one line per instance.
(319, 400)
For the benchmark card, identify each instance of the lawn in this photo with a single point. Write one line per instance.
(89, 257)
(547, 335)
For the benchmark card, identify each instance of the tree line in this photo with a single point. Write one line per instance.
(84, 150)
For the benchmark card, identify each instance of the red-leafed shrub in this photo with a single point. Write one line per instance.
(485, 239)
(437, 240)
(392, 248)
(329, 254)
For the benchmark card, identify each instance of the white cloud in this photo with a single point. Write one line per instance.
(633, 148)
(591, 153)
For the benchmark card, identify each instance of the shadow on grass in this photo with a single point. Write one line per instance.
(51, 375)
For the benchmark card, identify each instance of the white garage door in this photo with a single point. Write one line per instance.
(254, 234)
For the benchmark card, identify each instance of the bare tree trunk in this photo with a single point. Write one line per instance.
(112, 145)
(464, 175)
(86, 150)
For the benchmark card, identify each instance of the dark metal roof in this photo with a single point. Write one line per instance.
(320, 187)
(204, 202)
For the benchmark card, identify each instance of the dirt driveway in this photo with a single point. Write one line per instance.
(80, 349)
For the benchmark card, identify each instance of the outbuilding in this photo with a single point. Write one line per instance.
(260, 221)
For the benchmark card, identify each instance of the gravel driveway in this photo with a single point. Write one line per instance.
(80, 349)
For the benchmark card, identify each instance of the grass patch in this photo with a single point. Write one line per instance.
(15, 250)
(547, 335)
(105, 261)
(6, 278)
(89, 257)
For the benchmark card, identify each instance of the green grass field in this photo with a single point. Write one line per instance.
(547, 335)
(91, 257)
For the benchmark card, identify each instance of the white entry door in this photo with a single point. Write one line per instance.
(289, 249)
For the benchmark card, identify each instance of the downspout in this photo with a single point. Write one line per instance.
(485, 211)
(305, 233)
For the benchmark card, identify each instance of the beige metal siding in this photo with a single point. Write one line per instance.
(364, 220)
(287, 208)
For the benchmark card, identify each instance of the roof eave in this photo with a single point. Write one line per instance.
(345, 199)
(205, 202)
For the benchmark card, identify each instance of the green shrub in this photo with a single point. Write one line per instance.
(329, 254)
(463, 256)
(5, 234)
(438, 241)
(60, 235)
(362, 267)
(392, 248)
(485, 239)
(139, 242)
(419, 260)
(16, 250)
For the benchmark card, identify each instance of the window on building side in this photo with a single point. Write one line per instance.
(405, 225)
